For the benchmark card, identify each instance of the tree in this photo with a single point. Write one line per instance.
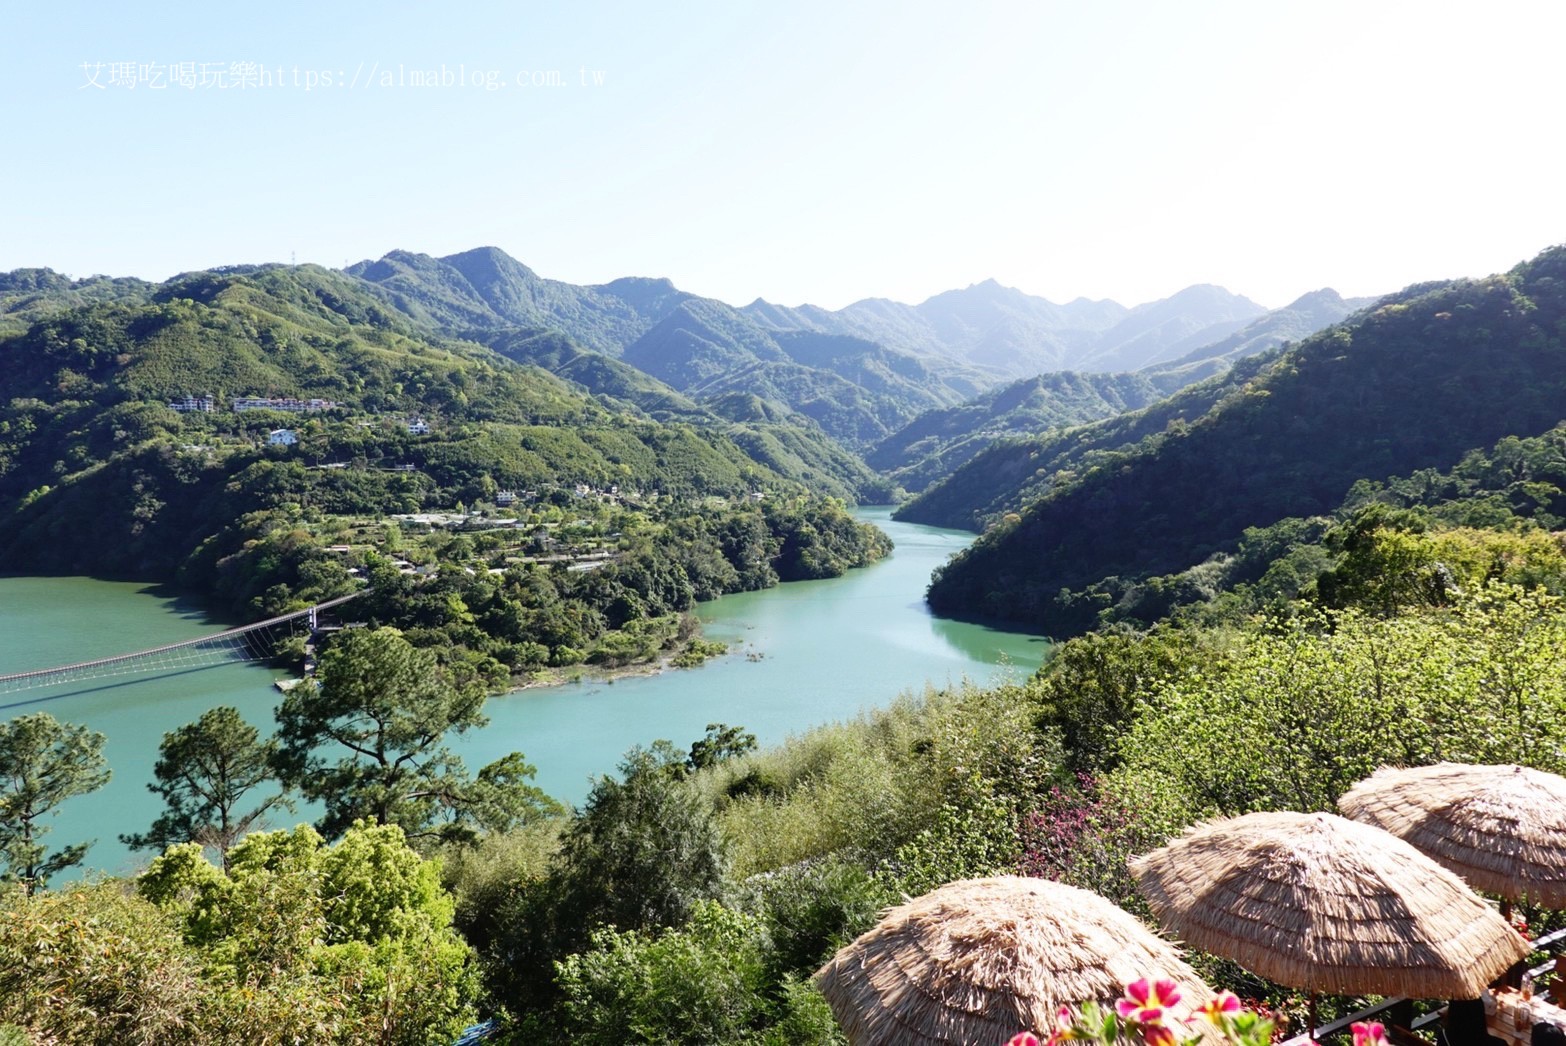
(721, 742)
(43, 762)
(390, 705)
(645, 848)
(641, 855)
(204, 771)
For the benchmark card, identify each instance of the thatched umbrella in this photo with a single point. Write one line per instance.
(1320, 902)
(979, 960)
(1501, 828)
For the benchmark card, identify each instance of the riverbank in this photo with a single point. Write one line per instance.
(801, 654)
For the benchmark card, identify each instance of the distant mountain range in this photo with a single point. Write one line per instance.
(1413, 382)
(918, 390)
(861, 372)
(1004, 333)
(937, 442)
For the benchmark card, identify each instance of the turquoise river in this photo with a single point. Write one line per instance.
(800, 655)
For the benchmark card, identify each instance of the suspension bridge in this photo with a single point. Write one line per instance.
(253, 642)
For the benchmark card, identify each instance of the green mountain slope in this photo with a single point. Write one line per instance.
(856, 390)
(935, 445)
(938, 442)
(1300, 318)
(28, 295)
(1013, 471)
(98, 474)
(603, 376)
(1411, 540)
(487, 288)
(1413, 383)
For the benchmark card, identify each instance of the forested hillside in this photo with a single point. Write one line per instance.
(856, 390)
(90, 447)
(1427, 375)
(938, 443)
(1012, 471)
(486, 287)
(862, 372)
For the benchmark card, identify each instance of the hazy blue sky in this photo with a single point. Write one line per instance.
(807, 150)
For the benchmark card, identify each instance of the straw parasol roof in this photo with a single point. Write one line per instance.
(1320, 902)
(1501, 828)
(979, 960)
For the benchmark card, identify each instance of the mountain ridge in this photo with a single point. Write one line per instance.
(1416, 381)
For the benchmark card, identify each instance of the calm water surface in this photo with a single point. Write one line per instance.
(801, 654)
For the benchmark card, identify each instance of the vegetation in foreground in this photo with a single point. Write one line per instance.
(697, 889)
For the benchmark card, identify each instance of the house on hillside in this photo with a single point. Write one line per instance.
(282, 437)
(192, 404)
(286, 403)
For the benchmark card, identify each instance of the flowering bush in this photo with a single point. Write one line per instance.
(1144, 1015)
(1082, 834)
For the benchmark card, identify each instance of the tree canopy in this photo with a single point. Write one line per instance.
(365, 737)
(42, 763)
(205, 771)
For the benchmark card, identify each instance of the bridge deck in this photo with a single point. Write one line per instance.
(231, 644)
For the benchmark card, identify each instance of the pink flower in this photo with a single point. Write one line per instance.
(1370, 1033)
(1065, 1026)
(1222, 1005)
(1146, 1000)
(1158, 1035)
(1024, 1038)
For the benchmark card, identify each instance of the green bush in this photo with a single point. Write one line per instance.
(94, 964)
(332, 942)
(706, 983)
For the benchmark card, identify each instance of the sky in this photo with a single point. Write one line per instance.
(815, 151)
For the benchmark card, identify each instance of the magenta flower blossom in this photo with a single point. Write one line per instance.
(1146, 1000)
(1370, 1033)
(1024, 1038)
(1065, 1026)
(1224, 1004)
